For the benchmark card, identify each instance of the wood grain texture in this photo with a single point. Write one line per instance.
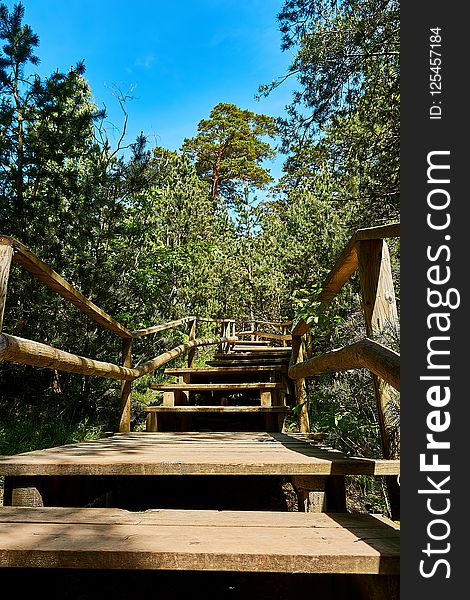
(33, 353)
(162, 327)
(176, 453)
(363, 354)
(234, 387)
(197, 540)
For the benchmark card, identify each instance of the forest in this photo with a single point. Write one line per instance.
(151, 234)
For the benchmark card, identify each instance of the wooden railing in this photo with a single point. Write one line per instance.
(367, 251)
(279, 331)
(34, 353)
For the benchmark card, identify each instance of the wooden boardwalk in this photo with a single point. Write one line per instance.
(101, 505)
(47, 536)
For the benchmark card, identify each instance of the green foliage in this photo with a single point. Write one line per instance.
(229, 148)
(342, 126)
(31, 433)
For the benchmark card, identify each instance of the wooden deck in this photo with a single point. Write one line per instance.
(188, 540)
(191, 453)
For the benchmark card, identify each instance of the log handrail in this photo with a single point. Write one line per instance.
(366, 250)
(366, 353)
(24, 257)
(345, 265)
(28, 352)
(34, 353)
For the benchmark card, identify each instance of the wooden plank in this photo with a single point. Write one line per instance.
(175, 453)
(273, 323)
(260, 351)
(217, 386)
(217, 409)
(265, 335)
(219, 370)
(23, 256)
(266, 361)
(380, 313)
(198, 541)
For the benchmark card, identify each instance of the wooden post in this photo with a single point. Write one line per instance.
(284, 332)
(23, 491)
(310, 492)
(6, 254)
(125, 421)
(298, 355)
(192, 336)
(380, 311)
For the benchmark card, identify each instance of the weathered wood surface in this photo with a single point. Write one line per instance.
(28, 352)
(266, 335)
(380, 314)
(250, 343)
(192, 336)
(176, 453)
(33, 353)
(346, 265)
(363, 354)
(126, 388)
(94, 538)
(220, 370)
(217, 409)
(234, 387)
(166, 357)
(23, 256)
(301, 399)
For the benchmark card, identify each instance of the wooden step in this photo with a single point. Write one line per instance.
(251, 343)
(252, 356)
(208, 387)
(215, 409)
(250, 349)
(222, 370)
(189, 453)
(191, 540)
(248, 361)
(259, 351)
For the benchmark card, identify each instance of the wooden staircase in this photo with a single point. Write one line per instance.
(190, 496)
(246, 382)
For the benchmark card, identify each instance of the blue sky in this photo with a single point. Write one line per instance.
(178, 59)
